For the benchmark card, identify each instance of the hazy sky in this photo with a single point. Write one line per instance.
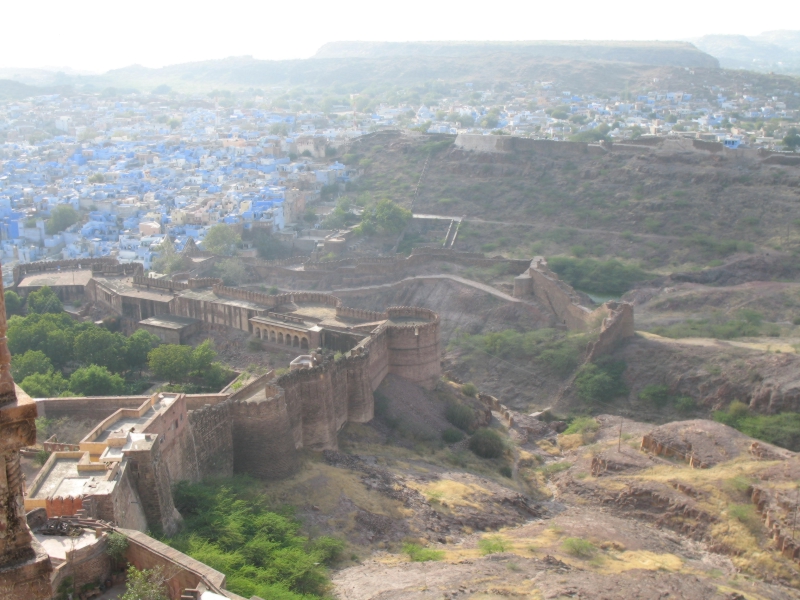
(97, 36)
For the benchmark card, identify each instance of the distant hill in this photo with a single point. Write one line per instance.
(777, 51)
(357, 74)
(677, 54)
(14, 90)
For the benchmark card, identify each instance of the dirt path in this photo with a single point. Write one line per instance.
(766, 346)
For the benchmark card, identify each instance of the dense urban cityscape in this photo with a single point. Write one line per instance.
(136, 168)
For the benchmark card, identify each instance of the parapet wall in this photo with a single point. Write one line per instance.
(558, 296)
(182, 572)
(97, 265)
(251, 295)
(86, 407)
(160, 283)
(370, 270)
(502, 143)
(360, 314)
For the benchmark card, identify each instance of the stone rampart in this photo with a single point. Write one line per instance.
(160, 283)
(414, 348)
(376, 347)
(353, 272)
(153, 486)
(360, 314)
(617, 326)
(212, 437)
(263, 441)
(558, 296)
(495, 405)
(203, 282)
(248, 390)
(251, 295)
(509, 144)
(95, 264)
(314, 297)
(197, 401)
(707, 146)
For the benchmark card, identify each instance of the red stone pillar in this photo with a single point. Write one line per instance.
(24, 567)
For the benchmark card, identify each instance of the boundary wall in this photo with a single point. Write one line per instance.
(615, 319)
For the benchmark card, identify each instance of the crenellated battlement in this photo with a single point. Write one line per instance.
(158, 283)
(360, 314)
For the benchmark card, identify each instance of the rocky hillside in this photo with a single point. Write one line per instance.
(585, 513)
(670, 206)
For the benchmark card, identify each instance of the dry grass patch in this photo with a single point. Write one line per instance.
(322, 485)
(453, 493)
(549, 447)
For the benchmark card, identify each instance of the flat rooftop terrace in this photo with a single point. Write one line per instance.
(407, 321)
(169, 322)
(124, 286)
(62, 469)
(57, 546)
(56, 278)
(126, 424)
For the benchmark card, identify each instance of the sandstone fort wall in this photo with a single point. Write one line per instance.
(263, 444)
(212, 437)
(415, 349)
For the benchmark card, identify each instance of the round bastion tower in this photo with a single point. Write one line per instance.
(414, 346)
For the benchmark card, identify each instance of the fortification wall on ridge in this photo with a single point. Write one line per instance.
(558, 296)
(263, 444)
(615, 319)
(212, 438)
(502, 143)
(617, 326)
(352, 272)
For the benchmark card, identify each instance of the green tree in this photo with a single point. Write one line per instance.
(600, 382)
(116, 545)
(33, 361)
(95, 380)
(792, 139)
(487, 443)
(231, 271)
(268, 246)
(51, 333)
(98, 346)
(169, 260)
(44, 300)
(137, 347)
(61, 217)
(171, 362)
(13, 303)
(44, 385)
(221, 240)
(97, 178)
(147, 584)
(202, 357)
(385, 216)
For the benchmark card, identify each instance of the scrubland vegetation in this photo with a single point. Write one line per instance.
(230, 526)
(557, 350)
